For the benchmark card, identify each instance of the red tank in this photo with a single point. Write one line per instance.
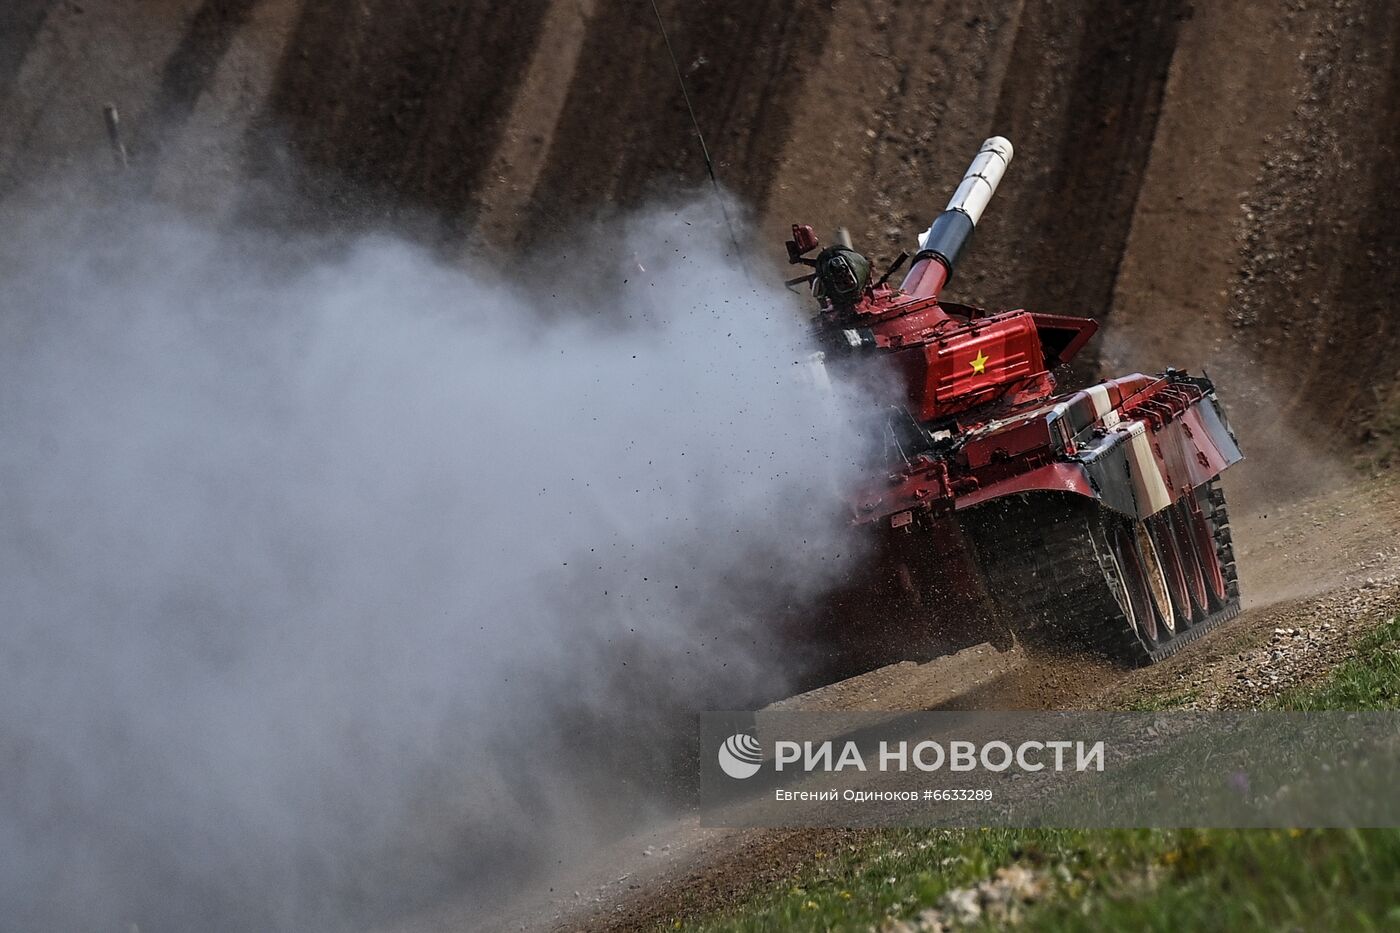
(1092, 517)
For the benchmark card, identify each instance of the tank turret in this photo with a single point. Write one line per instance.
(954, 358)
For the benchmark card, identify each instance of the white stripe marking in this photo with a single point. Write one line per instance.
(1148, 485)
(1102, 405)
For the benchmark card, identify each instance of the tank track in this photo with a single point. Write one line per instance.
(1048, 568)
(1182, 639)
(1212, 499)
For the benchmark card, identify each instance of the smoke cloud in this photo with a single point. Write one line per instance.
(330, 570)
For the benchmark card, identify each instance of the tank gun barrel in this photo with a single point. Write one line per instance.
(943, 242)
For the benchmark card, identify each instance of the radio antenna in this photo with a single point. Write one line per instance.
(704, 149)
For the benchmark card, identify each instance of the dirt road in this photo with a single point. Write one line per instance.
(1321, 576)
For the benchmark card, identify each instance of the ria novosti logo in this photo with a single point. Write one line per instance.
(740, 756)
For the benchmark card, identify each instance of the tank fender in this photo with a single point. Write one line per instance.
(1140, 468)
(1065, 476)
(1137, 468)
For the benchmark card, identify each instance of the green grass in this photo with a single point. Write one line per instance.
(1240, 880)
(1124, 879)
(1369, 681)
(894, 872)
(1103, 879)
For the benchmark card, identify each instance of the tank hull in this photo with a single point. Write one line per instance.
(1094, 518)
(1134, 444)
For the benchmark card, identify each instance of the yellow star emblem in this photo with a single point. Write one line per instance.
(980, 363)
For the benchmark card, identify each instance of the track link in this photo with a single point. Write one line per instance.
(1050, 570)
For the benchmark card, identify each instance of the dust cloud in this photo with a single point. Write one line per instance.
(335, 575)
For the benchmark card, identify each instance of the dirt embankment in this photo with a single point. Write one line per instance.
(1214, 180)
(1266, 239)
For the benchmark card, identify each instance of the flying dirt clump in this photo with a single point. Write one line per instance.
(331, 571)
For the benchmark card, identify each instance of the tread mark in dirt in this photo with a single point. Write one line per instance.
(1077, 213)
(187, 73)
(395, 109)
(20, 21)
(741, 64)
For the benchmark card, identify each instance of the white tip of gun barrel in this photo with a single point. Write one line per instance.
(982, 177)
(1000, 145)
